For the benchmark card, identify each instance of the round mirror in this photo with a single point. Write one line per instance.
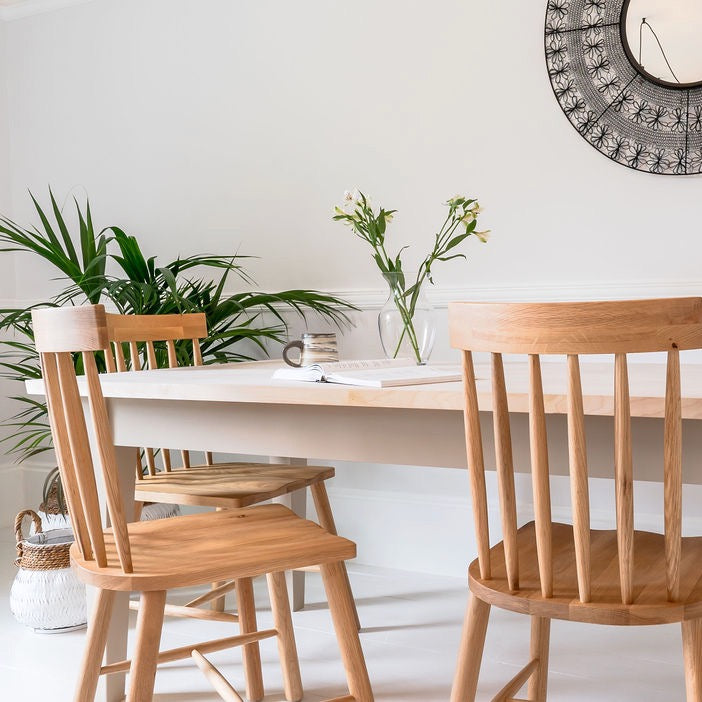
(662, 39)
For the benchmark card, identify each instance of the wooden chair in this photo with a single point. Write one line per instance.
(154, 556)
(549, 570)
(221, 485)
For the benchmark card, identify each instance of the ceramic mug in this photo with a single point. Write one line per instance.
(314, 348)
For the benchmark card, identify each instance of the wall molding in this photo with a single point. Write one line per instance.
(19, 9)
(440, 295)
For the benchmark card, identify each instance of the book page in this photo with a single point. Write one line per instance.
(313, 373)
(317, 372)
(392, 376)
(367, 364)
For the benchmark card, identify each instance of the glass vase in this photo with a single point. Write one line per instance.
(406, 322)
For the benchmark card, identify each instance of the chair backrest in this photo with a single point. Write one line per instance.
(58, 334)
(144, 335)
(572, 329)
(146, 329)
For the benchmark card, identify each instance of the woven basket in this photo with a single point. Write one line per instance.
(46, 594)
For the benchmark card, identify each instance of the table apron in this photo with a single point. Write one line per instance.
(363, 434)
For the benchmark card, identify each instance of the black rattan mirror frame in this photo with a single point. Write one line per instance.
(629, 116)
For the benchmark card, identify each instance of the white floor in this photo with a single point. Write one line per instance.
(410, 637)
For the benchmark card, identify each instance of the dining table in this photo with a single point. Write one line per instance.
(240, 409)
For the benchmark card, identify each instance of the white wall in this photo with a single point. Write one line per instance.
(231, 125)
(6, 262)
(11, 477)
(227, 126)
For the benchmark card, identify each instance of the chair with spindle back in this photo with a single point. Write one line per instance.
(154, 556)
(550, 570)
(220, 485)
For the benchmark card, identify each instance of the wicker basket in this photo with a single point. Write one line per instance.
(46, 594)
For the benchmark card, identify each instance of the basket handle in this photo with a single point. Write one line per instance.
(18, 529)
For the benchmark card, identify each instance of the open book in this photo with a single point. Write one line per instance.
(381, 373)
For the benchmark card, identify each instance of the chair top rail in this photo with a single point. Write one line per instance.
(625, 326)
(162, 327)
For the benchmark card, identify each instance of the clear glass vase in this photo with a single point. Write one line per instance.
(406, 322)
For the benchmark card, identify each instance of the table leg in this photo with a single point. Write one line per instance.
(297, 502)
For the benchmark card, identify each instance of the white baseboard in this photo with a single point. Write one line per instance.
(433, 533)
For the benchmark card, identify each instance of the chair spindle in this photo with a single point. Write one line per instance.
(134, 356)
(110, 360)
(119, 355)
(540, 476)
(80, 454)
(173, 363)
(151, 355)
(197, 353)
(505, 470)
(172, 355)
(672, 484)
(579, 489)
(106, 451)
(624, 478)
(476, 467)
(197, 361)
(63, 453)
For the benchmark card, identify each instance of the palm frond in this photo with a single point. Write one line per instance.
(241, 324)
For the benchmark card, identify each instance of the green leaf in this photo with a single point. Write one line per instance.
(67, 242)
(455, 241)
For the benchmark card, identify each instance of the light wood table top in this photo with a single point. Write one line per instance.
(252, 383)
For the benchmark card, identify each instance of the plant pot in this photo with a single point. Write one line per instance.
(46, 595)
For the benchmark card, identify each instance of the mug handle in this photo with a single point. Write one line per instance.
(297, 344)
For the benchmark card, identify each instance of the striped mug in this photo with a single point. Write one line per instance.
(314, 348)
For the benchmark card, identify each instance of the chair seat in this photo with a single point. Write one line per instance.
(228, 484)
(650, 604)
(204, 548)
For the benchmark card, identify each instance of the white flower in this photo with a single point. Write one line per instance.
(350, 202)
(352, 195)
(483, 236)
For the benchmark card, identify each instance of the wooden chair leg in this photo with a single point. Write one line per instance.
(342, 610)
(540, 638)
(138, 509)
(287, 650)
(470, 655)
(251, 653)
(692, 654)
(218, 604)
(326, 521)
(142, 672)
(95, 646)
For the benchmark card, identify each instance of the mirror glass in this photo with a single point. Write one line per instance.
(665, 38)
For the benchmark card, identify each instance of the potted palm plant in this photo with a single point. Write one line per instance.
(239, 323)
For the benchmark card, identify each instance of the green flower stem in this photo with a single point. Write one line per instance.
(408, 327)
(357, 213)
